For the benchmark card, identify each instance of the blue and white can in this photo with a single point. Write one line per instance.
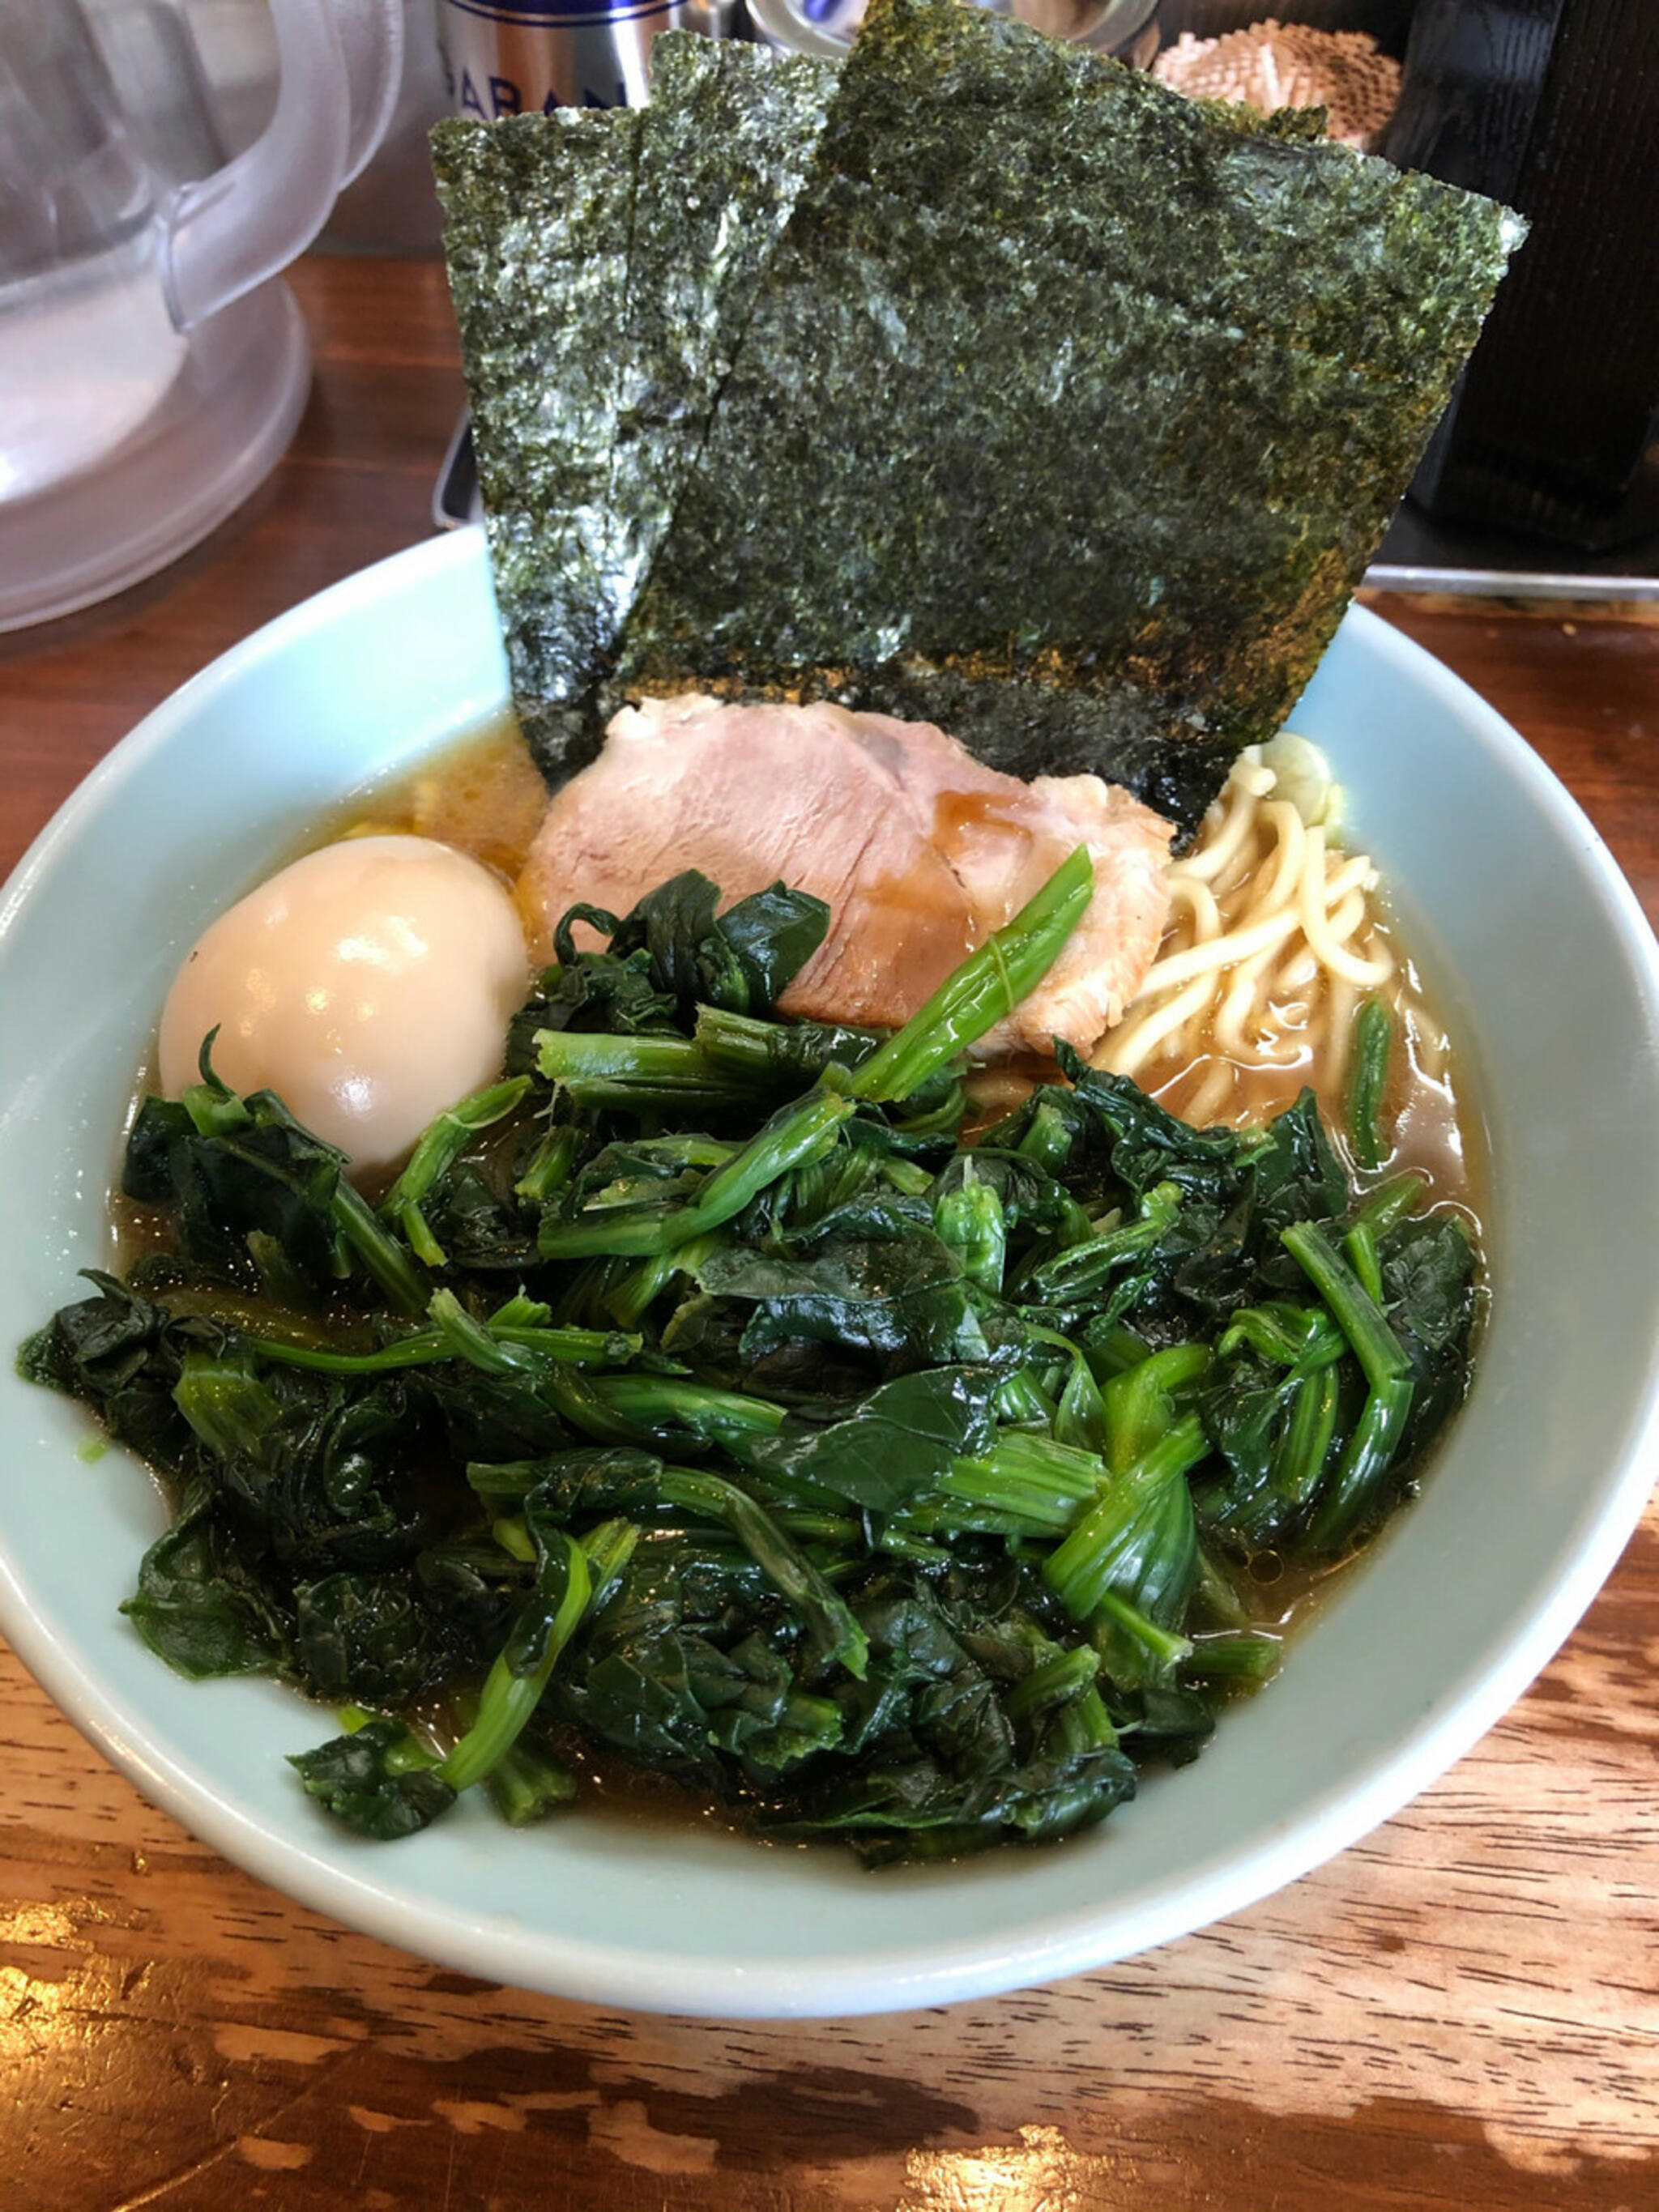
(528, 57)
(1125, 29)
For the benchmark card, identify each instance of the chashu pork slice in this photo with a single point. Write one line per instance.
(918, 850)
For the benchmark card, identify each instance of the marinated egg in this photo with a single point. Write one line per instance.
(369, 985)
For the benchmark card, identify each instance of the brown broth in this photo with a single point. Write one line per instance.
(483, 793)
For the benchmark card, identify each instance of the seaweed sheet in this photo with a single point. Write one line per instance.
(603, 266)
(539, 215)
(725, 146)
(1069, 410)
(984, 381)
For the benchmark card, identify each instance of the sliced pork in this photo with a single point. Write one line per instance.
(918, 851)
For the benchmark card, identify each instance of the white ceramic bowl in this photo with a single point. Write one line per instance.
(1541, 957)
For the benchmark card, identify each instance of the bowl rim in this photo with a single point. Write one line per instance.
(928, 1973)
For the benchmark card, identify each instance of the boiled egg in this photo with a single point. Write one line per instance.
(369, 985)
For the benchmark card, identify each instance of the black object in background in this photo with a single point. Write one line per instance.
(1554, 107)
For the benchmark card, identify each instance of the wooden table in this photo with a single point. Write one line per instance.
(1463, 2009)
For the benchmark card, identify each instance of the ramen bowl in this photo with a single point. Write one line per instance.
(1521, 923)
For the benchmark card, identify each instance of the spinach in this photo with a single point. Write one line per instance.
(367, 1640)
(697, 1397)
(741, 961)
(901, 1440)
(904, 1298)
(199, 1605)
(361, 1780)
(122, 1352)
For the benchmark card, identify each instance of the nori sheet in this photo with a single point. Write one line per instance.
(725, 146)
(1057, 380)
(981, 380)
(603, 266)
(537, 217)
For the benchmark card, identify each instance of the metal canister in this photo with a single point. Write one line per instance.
(523, 56)
(1126, 29)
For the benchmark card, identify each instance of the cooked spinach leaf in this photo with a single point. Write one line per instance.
(364, 1780)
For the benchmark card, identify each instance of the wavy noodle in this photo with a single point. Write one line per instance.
(1274, 940)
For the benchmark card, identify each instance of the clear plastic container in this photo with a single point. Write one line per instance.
(152, 370)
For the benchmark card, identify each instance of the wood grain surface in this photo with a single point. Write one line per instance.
(1462, 2011)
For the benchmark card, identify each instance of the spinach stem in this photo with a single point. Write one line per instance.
(1357, 1485)
(1368, 1079)
(1361, 1320)
(550, 1166)
(671, 1403)
(1360, 1245)
(1079, 1571)
(1390, 1203)
(838, 1637)
(1139, 1403)
(574, 1579)
(1054, 1681)
(1037, 1484)
(796, 1135)
(426, 1348)
(1080, 1272)
(1305, 1445)
(380, 1254)
(513, 1687)
(598, 1069)
(1248, 1656)
(1167, 1647)
(970, 1219)
(985, 989)
(442, 1143)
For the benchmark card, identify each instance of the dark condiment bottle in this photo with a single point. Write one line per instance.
(1554, 107)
